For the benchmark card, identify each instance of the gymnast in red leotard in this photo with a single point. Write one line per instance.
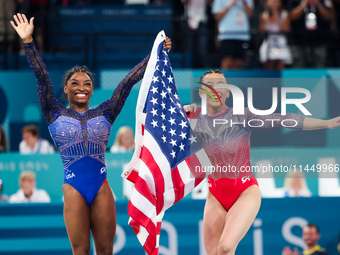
(234, 197)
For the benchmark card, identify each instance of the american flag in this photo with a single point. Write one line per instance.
(165, 151)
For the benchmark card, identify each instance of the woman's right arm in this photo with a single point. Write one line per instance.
(48, 103)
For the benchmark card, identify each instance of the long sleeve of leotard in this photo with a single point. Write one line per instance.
(48, 103)
(274, 120)
(112, 107)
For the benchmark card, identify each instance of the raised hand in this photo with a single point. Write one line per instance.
(167, 43)
(23, 27)
(190, 108)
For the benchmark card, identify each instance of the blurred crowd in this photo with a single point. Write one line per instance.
(281, 33)
(230, 34)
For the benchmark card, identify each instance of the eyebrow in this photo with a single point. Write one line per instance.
(77, 80)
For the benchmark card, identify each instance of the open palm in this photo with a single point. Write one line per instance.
(23, 27)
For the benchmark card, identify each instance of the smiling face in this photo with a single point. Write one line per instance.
(79, 89)
(213, 79)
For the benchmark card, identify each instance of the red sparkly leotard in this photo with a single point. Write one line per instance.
(227, 146)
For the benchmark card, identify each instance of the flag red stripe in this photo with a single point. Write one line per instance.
(150, 162)
(143, 220)
(143, 127)
(143, 188)
(159, 227)
(150, 245)
(135, 225)
(177, 184)
(133, 176)
(155, 251)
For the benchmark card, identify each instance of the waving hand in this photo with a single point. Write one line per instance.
(23, 27)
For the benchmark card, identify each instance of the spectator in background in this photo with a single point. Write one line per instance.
(32, 143)
(311, 236)
(333, 54)
(3, 140)
(124, 140)
(274, 51)
(197, 33)
(310, 22)
(3, 198)
(232, 17)
(6, 33)
(28, 191)
(295, 184)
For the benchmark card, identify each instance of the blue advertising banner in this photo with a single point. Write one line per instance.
(39, 229)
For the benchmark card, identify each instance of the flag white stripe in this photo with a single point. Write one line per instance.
(186, 177)
(144, 205)
(203, 158)
(163, 164)
(144, 173)
(142, 235)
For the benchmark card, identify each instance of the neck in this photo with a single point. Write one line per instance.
(215, 109)
(28, 195)
(309, 247)
(79, 108)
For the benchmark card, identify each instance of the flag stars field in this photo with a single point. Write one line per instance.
(170, 79)
(172, 110)
(154, 112)
(154, 123)
(154, 101)
(154, 90)
(155, 79)
(183, 135)
(183, 124)
(172, 132)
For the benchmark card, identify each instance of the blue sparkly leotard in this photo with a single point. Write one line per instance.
(81, 138)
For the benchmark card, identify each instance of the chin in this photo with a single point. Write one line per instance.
(82, 101)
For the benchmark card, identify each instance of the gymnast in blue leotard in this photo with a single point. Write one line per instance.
(81, 135)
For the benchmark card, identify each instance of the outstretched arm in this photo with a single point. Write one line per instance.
(48, 103)
(312, 124)
(112, 107)
(291, 120)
